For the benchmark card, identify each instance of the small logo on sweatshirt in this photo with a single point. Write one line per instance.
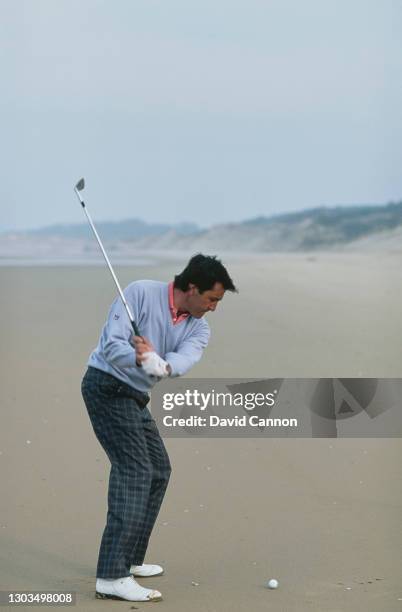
(116, 316)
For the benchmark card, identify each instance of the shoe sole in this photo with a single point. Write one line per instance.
(106, 596)
(148, 575)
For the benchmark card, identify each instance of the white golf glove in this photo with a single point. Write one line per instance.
(154, 365)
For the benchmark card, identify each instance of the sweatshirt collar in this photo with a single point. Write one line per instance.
(177, 316)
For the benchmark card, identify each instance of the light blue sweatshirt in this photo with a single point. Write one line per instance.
(181, 345)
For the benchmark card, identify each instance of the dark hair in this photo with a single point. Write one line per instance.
(204, 271)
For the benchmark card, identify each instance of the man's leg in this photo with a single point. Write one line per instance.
(119, 426)
(161, 470)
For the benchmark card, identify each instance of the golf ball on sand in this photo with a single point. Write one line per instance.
(273, 584)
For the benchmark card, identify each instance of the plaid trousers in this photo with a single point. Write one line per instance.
(139, 473)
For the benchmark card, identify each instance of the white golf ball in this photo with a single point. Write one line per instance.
(273, 584)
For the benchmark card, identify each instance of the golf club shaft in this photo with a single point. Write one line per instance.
(130, 315)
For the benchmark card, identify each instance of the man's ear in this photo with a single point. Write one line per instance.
(191, 289)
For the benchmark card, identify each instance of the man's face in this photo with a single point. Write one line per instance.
(200, 303)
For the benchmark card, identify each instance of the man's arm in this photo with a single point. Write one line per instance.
(175, 363)
(189, 352)
(116, 336)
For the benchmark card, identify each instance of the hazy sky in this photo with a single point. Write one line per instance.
(204, 111)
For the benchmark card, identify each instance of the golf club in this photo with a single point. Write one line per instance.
(78, 188)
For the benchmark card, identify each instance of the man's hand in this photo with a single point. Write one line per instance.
(148, 359)
(142, 345)
(153, 365)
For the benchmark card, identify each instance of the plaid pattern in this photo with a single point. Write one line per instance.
(139, 472)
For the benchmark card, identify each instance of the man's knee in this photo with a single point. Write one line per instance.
(136, 471)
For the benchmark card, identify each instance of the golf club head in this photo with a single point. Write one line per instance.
(80, 185)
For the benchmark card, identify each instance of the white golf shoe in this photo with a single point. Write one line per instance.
(124, 588)
(143, 571)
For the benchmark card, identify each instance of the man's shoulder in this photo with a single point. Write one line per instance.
(146, 286)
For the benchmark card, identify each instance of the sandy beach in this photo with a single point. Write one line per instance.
(322, 516)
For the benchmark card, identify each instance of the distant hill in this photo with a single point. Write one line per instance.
(338, 228)
(308, 230)
(339, 224)
(126, 229)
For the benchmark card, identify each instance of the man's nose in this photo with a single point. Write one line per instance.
(212, 306)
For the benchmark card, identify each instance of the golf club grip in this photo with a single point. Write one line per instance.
(135, 328)
(137, 333)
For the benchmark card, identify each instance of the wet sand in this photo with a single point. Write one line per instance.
(321, 516)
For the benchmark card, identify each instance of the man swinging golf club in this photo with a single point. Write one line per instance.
(122, 370)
